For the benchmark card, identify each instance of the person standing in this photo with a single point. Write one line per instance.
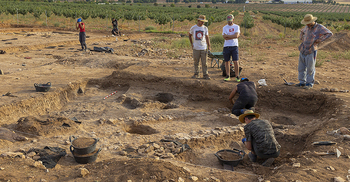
(199, 39)
(115, 30)
(311, 35)
(259, 138)
(231, 32)
(247, 97)
(82, 35)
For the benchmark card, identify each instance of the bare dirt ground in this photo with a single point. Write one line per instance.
(158, 108)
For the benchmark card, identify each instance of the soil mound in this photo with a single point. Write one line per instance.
(338, 42)
(46, 125)
(137, 170)
(7, 134)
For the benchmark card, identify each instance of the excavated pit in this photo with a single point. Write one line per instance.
(198, 122)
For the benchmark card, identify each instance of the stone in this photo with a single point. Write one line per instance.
(194, 178)
(346, 137)
(168, 155)
(330, 168)
(31, 154)
(36, 157)
(181, 180)
(156, 146)
(334, 90)
(1, 168)
(1, 72)
(296, 165)
(123, 153)
(39, 164)
(12, 154)
(214, 179)
(344, 131)
(83, 172)
(338, 179)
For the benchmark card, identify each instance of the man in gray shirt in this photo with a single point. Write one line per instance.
(260, 138)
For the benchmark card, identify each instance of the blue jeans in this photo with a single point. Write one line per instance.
(306, 68)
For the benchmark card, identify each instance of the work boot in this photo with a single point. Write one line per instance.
(300, 85)
(206, 77)
(268, 162)
(308, 86)
(195, 76)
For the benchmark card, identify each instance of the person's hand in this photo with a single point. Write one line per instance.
(244, 140)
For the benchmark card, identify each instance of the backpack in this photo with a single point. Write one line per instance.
(232, 70)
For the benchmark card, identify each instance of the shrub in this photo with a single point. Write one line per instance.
(155, 4)
(150, 28)
(198, 6)
(217, 43)
(172, 5)
(207, 6)
(56, 24)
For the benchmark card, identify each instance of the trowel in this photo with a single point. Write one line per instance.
(288, 83)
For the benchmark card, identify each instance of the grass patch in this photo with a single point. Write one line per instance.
(217, 43)
(322, 54)
(336, 55)
(346, 55)
(244, 43)
(319, 63)
(56, 24)
(293, 54)
(182, 43)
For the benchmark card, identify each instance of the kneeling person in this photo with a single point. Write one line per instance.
(260, 138)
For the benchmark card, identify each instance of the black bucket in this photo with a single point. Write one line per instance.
(83, 151)
(87, 158)
(233, 163)
(42, 87)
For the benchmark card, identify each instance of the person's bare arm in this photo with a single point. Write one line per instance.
(190, 37)
(208, 41)
(248, 145)
(77, 25)
(229, 37)
(233, 93)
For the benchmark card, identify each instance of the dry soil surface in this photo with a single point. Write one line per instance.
(161, 125)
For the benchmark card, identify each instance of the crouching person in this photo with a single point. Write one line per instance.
(260, 138)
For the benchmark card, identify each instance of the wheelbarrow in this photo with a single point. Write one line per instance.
(215, 58)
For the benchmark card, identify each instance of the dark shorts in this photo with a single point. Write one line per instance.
(264, 156)
(231, 51)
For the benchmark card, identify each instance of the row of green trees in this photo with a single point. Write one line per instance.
(321, 16)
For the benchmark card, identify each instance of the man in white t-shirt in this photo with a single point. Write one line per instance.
(199, 39)
(231, 32)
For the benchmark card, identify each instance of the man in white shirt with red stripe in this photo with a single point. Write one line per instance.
(231, 32)
(199, 39)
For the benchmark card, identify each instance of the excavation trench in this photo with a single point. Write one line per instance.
(191, 117)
